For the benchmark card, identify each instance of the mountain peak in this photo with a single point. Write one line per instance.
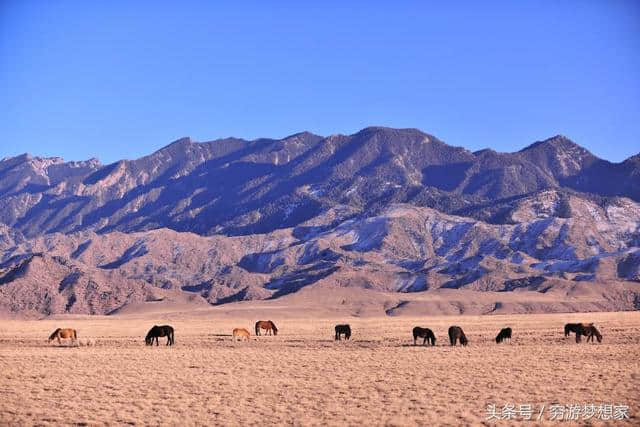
(557, 142)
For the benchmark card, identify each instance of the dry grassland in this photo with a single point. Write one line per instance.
(303, 377)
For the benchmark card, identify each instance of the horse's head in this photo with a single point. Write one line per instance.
(464, 340)
(275, 330)
(54, 335)
(596, 333)
(148, 340)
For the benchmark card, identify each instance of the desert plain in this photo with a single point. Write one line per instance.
(303, 376)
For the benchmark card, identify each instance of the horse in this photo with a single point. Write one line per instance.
(66, 333)
(456, 333)
(571, 327)
(159, 331)
(425, 333)
(343, 330)
(505, 334)
(592, 331)
(240, 334)
(586, 329)
(268, 325)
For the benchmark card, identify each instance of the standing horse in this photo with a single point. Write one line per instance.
(159, 331)
(586, 329)
(571, 327)
(241, 334)
(505, 334)
(66, 333)
(343, 330)
(456, 333)
(268, 325)
(425, 333)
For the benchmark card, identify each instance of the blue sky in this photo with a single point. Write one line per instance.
(121, 79)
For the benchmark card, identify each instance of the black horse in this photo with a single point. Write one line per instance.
(572, 327)
(159, 331)
(343, 330)
(505, 334)
(456, 333)
(425, 333)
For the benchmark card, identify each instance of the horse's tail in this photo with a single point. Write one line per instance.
(258, 328)
(75, 334)
(53, 335)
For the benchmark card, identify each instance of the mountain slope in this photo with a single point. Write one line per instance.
(587, 260)
(237, 187)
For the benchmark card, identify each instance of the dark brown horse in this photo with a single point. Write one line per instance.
(425, 333)
(343, 330)
(580, 329)
(505, 334)
(456, 333)
(593, 332)
(268, 325)
(159, 331)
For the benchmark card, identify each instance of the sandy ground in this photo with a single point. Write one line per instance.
(303, 377)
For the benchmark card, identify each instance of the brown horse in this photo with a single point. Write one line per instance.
(240, 334)
(580, 329)
(456, 333)
(592, 331)
(268, 325)
(66, 333)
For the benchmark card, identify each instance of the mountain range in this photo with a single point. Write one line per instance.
(394, 211)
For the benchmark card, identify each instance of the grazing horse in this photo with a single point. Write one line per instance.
(456, 333)
(240, 334)
(268, 325)
(586, 329)
(159, 331)
(592, 331)
(425, 333)
(505, 334)
(66, 333)
(343, 330)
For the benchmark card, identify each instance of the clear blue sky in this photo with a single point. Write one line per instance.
(121, 79)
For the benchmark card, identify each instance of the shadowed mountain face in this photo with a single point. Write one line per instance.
(237, 187)
(392, 210)
(587, 260)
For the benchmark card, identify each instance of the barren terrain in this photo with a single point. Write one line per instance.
(303, 377)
